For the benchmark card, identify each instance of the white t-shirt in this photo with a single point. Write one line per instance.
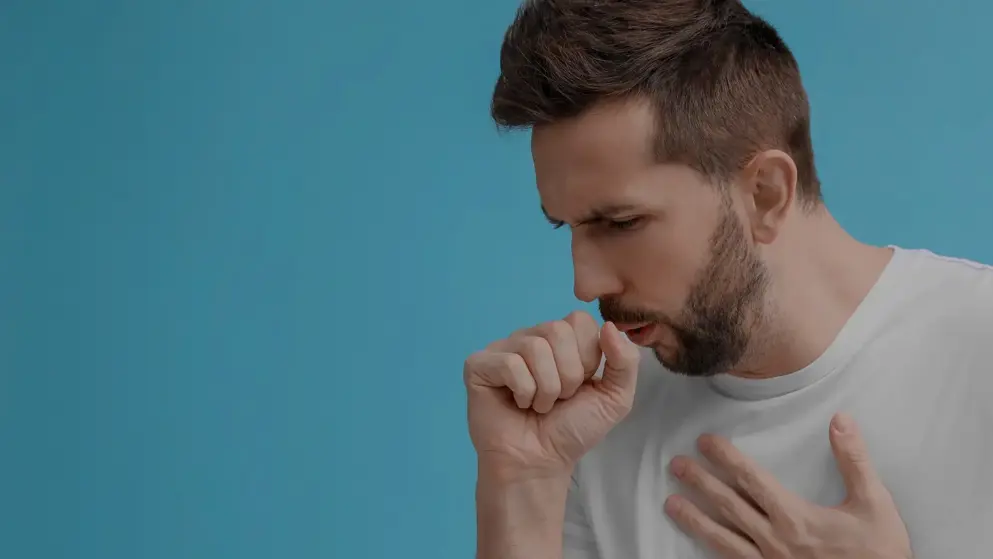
(913, 366)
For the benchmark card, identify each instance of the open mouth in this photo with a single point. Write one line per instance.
(640, 334)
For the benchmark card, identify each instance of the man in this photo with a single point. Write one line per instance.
(672, 138)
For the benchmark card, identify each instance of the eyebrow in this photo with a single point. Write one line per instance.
(599, 214)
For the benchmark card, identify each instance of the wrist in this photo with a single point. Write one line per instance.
(497, 470)
(520, 513)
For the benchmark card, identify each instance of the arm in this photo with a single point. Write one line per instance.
(520, 518)
(540, 517)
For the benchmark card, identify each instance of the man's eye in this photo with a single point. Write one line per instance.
(624, 224)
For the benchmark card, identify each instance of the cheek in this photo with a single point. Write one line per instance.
(660, 265)
(688, 235)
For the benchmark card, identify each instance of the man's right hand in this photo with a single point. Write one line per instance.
(534, 406)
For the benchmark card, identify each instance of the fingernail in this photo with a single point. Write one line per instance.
(678, 467)
(843, 423)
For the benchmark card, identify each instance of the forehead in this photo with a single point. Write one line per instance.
(609, 141)
(604, 158)
(608, 135)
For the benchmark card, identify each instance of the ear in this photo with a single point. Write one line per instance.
(769, 189)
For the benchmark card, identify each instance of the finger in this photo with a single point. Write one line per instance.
(752, 480)
(490, 369)
(565, 350)
(620, 372)
(725, 500)
(587, 333)
(537, 353)
(852, 456)
(694, 522)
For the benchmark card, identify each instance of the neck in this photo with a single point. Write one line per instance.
(820, 275)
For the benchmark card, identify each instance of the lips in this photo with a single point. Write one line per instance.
(641, 334)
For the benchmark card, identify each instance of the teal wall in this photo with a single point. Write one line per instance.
(246, 246)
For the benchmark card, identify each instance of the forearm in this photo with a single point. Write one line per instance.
(520, 518)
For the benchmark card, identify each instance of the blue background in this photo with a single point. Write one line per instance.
(247, 245)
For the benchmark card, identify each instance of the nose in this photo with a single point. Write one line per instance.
(593, 276)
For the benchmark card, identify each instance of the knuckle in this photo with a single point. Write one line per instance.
(747, 480)
(528, 388)
(569, 389)
(495, 345)
(572, 373)
(558, 330)
(544, 393)
(518, 376)
(686, 515)
(581, 321)
(571, 381)
(859, 457)
(726, 506)
(688, 519)
(575, 316)
(472, 363)
(510, 361)
(551, 386)
(699, 524)
(718, 449)
(535, 346)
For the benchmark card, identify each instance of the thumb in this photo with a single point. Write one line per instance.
(620, 370)
(852, 456)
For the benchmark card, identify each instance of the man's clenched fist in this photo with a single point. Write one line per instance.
(534, 406)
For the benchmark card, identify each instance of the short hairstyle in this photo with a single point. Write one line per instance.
(723, 84)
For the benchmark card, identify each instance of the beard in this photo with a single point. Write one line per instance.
(713, 331)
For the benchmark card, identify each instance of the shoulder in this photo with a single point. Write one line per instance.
(955, 292)
(942, 320)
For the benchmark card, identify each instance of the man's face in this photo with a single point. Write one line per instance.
(662, 249)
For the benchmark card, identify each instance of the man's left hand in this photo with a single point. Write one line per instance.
(774, 523)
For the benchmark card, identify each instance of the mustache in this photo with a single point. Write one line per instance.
(612, 310)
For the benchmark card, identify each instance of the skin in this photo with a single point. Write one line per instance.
(735, 278)
(763, 520)
(815, 273)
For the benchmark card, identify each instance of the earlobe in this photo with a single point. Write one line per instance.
(774, 191)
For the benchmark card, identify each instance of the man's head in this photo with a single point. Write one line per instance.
(673, 138)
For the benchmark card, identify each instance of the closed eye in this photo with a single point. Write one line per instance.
(624, 224)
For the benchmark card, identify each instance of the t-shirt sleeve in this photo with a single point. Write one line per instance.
(577, 537)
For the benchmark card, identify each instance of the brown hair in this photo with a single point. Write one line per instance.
(723, 83)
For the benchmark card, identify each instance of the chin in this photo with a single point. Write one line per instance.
(672, 362)
(664, 355)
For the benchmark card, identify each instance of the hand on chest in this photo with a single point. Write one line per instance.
(827, 501)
